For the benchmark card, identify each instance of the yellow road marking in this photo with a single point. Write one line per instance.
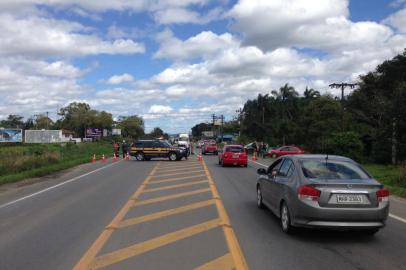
(137, 249)
(91, 253)
(224, 263)
(165, 213)
(171, 174)
(175, 179)
(176, 186)
(180, 166)
(231, 239)
(181, 169)
(170, 197)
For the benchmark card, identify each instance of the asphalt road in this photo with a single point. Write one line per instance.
(172, 215)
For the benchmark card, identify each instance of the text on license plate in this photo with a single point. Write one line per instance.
(236, 155)
(349, 198)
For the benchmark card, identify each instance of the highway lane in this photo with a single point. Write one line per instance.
(168, 216)
(265, 246)
(53, 229)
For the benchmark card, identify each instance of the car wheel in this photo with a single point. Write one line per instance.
(260, 204)
(139, 156)
(274, 156)
(172, 156)
(245, 165)
(219, 161)
(285, 219)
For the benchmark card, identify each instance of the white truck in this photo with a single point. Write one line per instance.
(184, 141)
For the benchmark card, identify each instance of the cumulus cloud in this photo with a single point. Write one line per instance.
(159, 109)
(119, 79)
(397, 20)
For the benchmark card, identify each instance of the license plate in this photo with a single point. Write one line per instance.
(350, 199)
(236, 155)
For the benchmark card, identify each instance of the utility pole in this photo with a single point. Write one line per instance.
(47, 120)
(342, 86)
(222, 126)
(239, 119)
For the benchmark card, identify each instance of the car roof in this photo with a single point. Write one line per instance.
(318, 156)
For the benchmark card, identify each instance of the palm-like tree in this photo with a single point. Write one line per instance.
(311, 93)
(285, 92)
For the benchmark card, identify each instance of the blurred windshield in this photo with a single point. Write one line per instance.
(332, 169)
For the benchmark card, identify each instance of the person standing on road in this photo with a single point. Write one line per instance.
(116, 148)
(124, 148)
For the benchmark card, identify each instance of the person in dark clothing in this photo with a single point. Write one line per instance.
(116, 148)
(124, 148)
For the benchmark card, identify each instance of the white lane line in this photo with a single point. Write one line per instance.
(260, 164)
(397, 218)
(53, 187)
(391, 215)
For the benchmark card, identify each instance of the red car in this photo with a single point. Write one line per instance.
(233, 155)
(210, 147)
(284, 150)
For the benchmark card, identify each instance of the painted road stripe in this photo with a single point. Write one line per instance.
(56, 186)
(170, 197)
(188, 164)
(176, 186)
(390, 214)
(224, 263)
(175, 179)
(140, 248)
(397, 218)
(232, 242)
(260, 164)
(165, 213)
(181, 169)
(91, 253)
(184, 172)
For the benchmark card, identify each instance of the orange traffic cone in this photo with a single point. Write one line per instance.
(103, 159)
(115, 157)
(127, 156)
(94, 158)
(254, 156)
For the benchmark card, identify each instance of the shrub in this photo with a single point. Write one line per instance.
(346, 144)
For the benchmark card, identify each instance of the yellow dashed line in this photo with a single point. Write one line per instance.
(137, 249)
(176, 186)
(171, 197)
(224, 263)
(181, 169)
(166, 213)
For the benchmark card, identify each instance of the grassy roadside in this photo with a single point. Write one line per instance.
(18, 162)
(393, 177)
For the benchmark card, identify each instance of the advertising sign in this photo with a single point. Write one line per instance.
(208, 134)
(43, 136)
(93, 132)
(11, 135)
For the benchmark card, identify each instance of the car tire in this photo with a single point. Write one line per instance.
(245, 165)
(285, 219)
(216, 153)
(274, 156)
(147, 158)
(260, 203)
(172, 156)
(219, 161)
(139, 156)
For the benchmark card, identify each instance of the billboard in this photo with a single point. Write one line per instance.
(116, 131)
(43, 136)
(11, 135)
(208, 134)
(93, 132)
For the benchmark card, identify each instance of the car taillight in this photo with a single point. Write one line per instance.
(308, 193)
(382, 195)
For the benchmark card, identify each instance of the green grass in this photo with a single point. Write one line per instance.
(393, 177)
(18, 162)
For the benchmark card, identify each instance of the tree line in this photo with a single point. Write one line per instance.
(369, 124)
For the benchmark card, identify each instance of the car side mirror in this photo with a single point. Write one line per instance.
(274, 173)
(261, 171)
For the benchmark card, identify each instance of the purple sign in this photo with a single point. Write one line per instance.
(93, 132)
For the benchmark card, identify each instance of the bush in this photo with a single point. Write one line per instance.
(346, 144)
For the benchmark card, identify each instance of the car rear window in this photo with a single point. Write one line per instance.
(332, 169)
(234, 149)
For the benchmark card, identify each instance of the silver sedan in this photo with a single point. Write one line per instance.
(322, 191)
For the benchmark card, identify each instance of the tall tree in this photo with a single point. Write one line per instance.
(13, 121)
(131, 126)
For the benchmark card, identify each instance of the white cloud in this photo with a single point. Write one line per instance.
(397, 20)
(57, 38)
(159, 109)
(119, 79)
(204, 44)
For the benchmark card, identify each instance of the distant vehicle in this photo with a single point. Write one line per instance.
(147, 149)
(249, 148)
(320, 191)
(200, 144)
(210, 147)
(233, 155)
(284, 150)
(184, 142)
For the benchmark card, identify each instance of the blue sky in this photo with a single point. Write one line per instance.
(177, 62)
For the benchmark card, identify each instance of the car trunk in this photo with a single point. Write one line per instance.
(351, 194)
